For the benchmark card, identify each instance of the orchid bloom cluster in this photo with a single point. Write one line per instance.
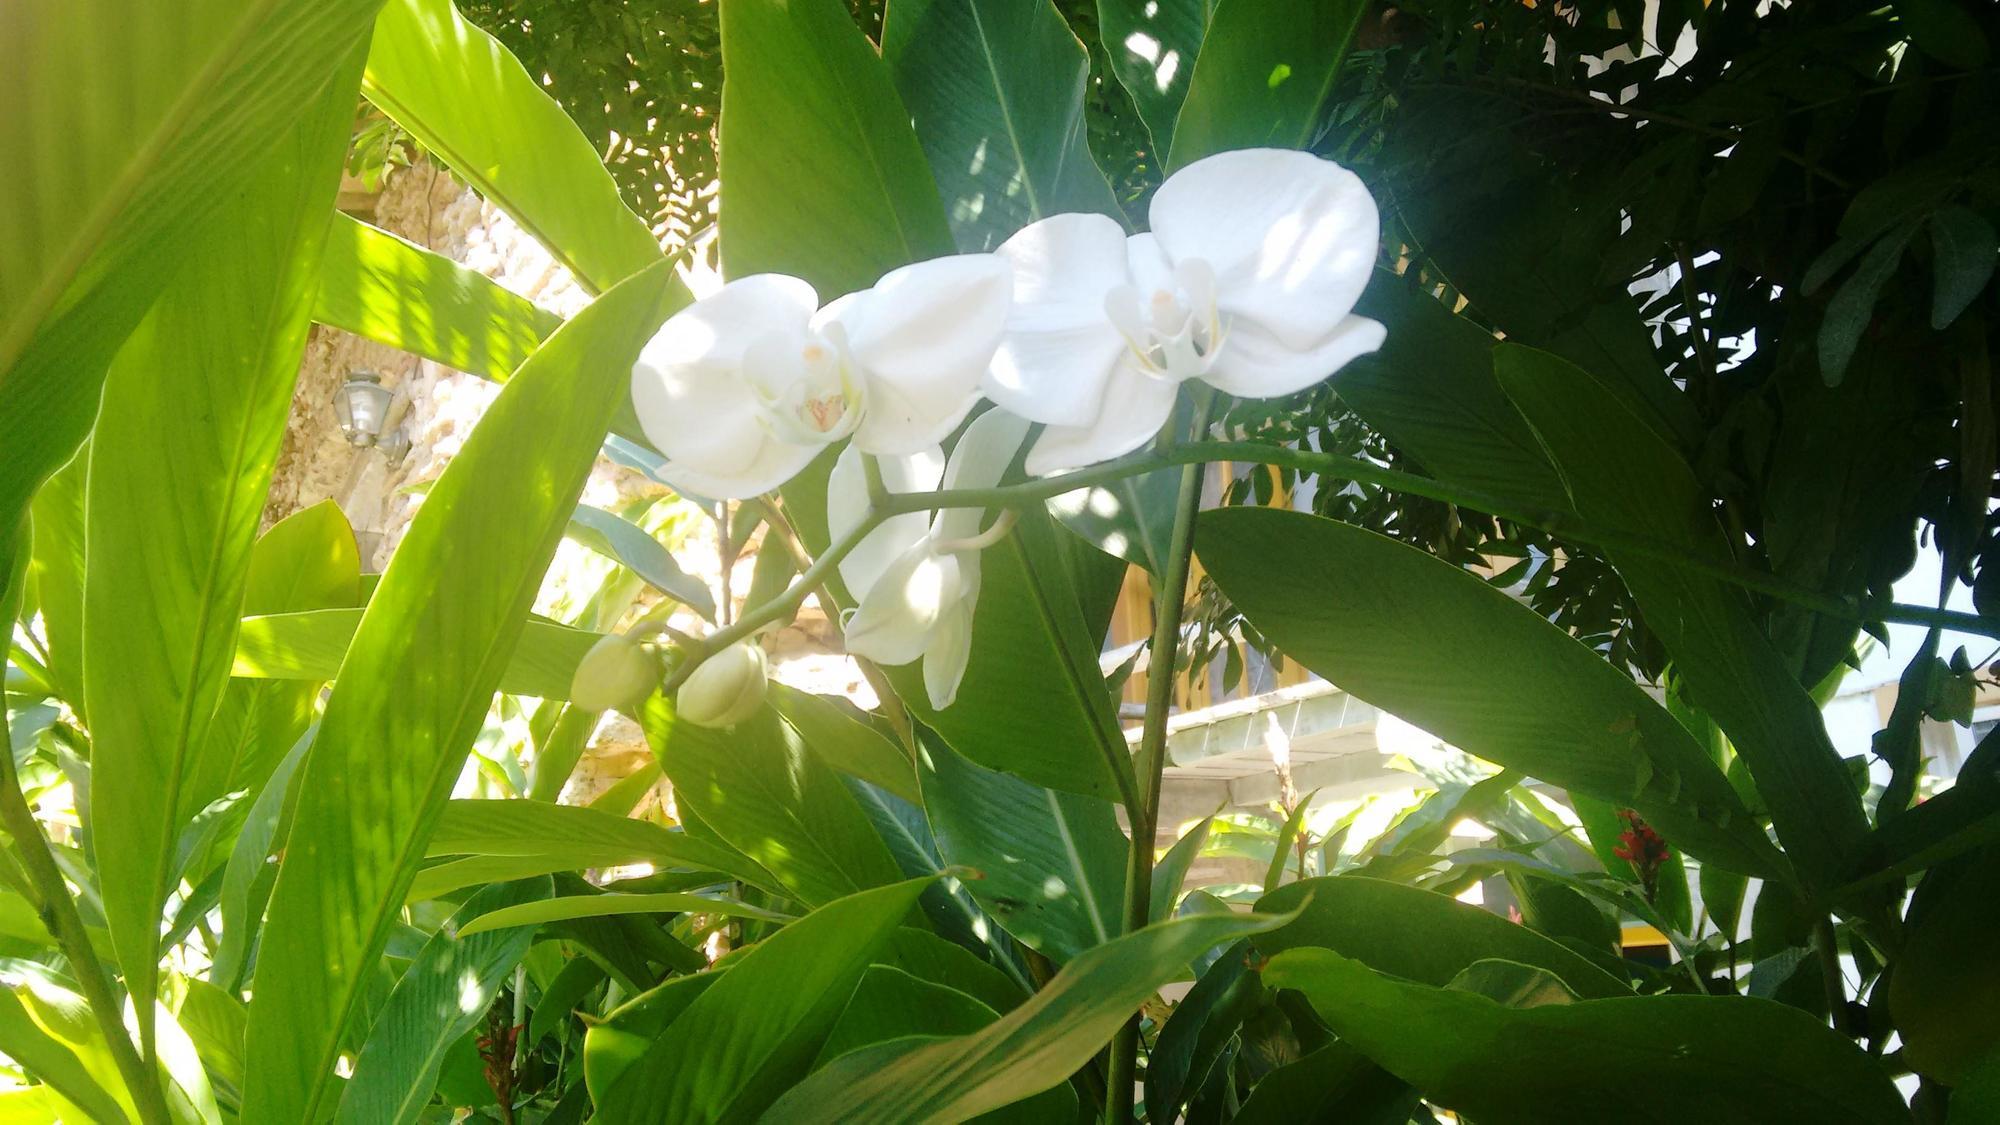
(1247, 281)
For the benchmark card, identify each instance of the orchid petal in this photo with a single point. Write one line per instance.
(1291, 237)
(893, 624)
(770, 464)
(949, 653)
(979, 460)
(1253, 364)
(1054, 361)
(1136, 405)
(922, 340)
(687, 386)
(847, 506)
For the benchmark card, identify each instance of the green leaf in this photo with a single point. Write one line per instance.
(1719, 1059)
(440, 998)
(627, 543)
(421, 671)
(1944, 30)
(194, 414)
(1955, 821)
(383, 288)
(1131, 518)
(1332, 1083)
(245, 887)
(1853, 305)
(1945, 988)
(1623, 478)
(1431, 389)
(1200, 1026)
(1049, 866)
(1171, 870)
(735, 1048)
(1265, 75)
(995, 89)
(1373, 921)
(892, 1004)
(1966, 249)
(461, 94)
(758, 787)
(846, 743)
(311, 646)
(575, 836)
(51, 1061)
(806, 100)
(1152, 45)
(599, 906)
(117, 175)
(214, 1020)
(1522, 693)
(1285, 850)
(1030, 1049)
(55, 576)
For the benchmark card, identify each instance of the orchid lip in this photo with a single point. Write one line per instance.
(1174, 333)
(824, 403)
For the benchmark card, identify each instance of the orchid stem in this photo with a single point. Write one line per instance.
(1161, 670)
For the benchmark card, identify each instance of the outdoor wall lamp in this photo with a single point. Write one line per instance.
(366, 410)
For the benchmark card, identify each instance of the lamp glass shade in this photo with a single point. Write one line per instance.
(362, 407)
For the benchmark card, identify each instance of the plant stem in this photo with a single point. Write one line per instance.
(1152, 760)
(58, 912)
(1562, 524)
(1827, 945)
(755, 618)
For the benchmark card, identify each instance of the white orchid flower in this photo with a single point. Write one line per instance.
(1247, 281)
(915, 579)
(743, 388)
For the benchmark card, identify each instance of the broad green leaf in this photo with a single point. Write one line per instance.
(1624, 478)
(807, 101)
(892, 1004)
(1377, 922)
(1131, 518)
(214, 1019)
(737, 1046)
(1431, 389)
(312, 644)
(127, 127)
(1944, 30)
(380, 287)
(1171, 869)
(622, 1037)
(460, 93)
(1723, 1059)
(1401, 627)
(625, 542)
(1955, 821)
(1966, 250)
(442, 996)
(308, 560)
(1332, 1083)
(1152, 45)
(425, 661)
(246, 881)
(1977, 1099)
(579, 837)
(1201, 1025)
(55, 576)
(194, 414)
(926, 956)
(51, 1061)
(1049, 866)
(1264, 78)
(762, 791)
(846, 743)
(1028, 1050)
(996, 89)
(1945, 987)
(598, 906)
(1852, 306)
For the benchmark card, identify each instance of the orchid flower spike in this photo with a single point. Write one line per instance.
(915, 578)
(743, 388)
(1247, 281)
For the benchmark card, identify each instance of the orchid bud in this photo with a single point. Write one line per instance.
(617, 672)
(727, 688)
